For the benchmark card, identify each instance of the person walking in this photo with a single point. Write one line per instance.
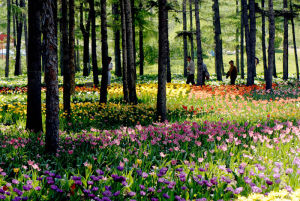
(232, 73)
(191, 71)
(110, 67)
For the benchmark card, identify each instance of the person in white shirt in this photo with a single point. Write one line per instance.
(191, 71)
(110, 67)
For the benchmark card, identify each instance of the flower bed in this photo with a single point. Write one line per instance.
(180, 161)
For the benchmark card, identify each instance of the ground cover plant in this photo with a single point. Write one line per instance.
(213, 161)
(222, 142)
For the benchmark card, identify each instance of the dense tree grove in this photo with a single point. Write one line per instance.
(138, 33)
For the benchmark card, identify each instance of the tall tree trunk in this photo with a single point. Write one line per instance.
(14, 27)
(200, 78)
(162, 60)
(271, 50)
(117, 36)
(274, 60)
(124, 53)
(75, 60)
(242, 44)
(286, 44)
(169, 74)
(218, 40)
(251, 70)
(237, 58)
(133, 11)
(141, 44)
(34, 106)
(94, 44)
(141, 48)
(72, 45)
(294, 42)
(8, 39)
(18, 69)
(263, 39)
(52, 93)
(61, 50)
(26, 38)
(104, 80)
(250, 61)
(77, 57)
(274, 65)
(130, 53)
(185, 51)
(86, 36)
(65, 41)
(191, 29)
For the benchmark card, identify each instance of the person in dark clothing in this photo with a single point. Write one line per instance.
(232, 73)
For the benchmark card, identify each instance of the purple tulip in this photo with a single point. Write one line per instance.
(165, 195)
(100, 172)
(120, 168)
(131, 194)
(95, 188)
(116, 193)
(256, 189)
(27, 187)
(107, 193)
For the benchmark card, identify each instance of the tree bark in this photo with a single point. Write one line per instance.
(77, 57)
(242, 44)
(124, 53)
(251, 70)
(61, 50)
(8, 38)
(185, 50)
(117, 36)
(169, 74)
(271, 50)
(263, 38)
(19, 21)
(200, 79)
(14, 27)
(141, 44)
(94, 44)
(133, 11)
(52, 93)
(104, 80)
(274, 61)
(26, 38)
(34, 107)
(162, 61)
(294, 42)
(72, 45)
(141, 48)
(237, 58)
(218, 40)
(86, 36)
(130, 52)
(250, 61)
(191, 29)
(285, 44)
(65, 42)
